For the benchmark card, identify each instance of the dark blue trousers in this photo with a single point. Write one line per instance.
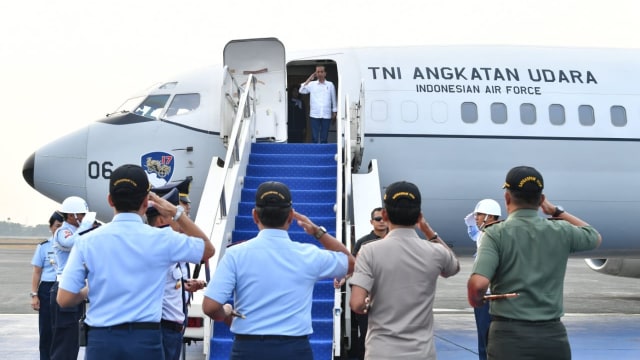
(44, 319)
(272, 349)
(124, 344)
(64, 343)
(172, 344)
(483, 320)
(320, 130)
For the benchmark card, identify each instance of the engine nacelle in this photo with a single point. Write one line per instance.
(616, 266)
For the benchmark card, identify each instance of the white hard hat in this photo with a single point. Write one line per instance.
(74, 205)
(489, 207)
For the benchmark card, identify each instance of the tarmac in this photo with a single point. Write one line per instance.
(602, 313)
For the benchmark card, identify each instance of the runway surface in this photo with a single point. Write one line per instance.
(602, 313)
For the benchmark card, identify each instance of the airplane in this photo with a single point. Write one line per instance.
(451, 119)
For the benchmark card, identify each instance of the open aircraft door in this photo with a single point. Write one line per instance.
(265, 59)
(357, 130)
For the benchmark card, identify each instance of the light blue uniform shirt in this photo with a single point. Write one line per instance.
(63, 240)
(43, 258)
(172, 302)
(126, 263)
(273, 279)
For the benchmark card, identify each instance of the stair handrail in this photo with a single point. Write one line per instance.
(343, 189)
(224, 184)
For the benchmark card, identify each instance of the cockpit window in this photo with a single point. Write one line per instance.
(183, 104)
(130, 104)
(152, 106)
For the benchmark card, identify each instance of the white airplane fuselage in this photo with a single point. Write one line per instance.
(452, 119)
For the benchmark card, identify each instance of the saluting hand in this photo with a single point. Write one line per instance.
(164, 207)
(547, 207)
(305, 223)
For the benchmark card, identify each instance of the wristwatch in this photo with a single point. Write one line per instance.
(559, 211)
(435, 236)
(321, 231)
(179, 212)
(32, 294)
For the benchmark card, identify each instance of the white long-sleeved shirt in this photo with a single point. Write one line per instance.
(322, 98)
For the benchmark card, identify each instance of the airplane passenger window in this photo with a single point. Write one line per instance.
(152, 106)
(469, 112)
(556, 114)
(618, 116)
(182, 104)
(586, 115)
(528, 114)
(379, 110)
(499, 113)
(409, 111)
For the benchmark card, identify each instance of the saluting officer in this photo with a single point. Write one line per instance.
(176, 289)
(125, 264)
(64, 343)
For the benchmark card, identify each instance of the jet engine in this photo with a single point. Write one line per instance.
(617, 266)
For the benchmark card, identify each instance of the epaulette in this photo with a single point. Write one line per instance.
(554, 218)
(44, 242)
(88, 230)
(491, 224)
(236, 243)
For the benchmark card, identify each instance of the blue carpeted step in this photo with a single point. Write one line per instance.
(297, 196)
(279, 148)
(246, 222)
(312, 210)
(294, 183)
(293, 160)
(291, 171)
(324, 290)
(295, 235)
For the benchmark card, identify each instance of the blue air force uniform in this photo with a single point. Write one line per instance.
(64, 320)
(125, 263)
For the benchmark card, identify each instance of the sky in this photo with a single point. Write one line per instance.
(67, 63)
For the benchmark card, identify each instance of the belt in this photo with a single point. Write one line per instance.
(130, 326)
(501, 318)
(171, 325)
(269, 337)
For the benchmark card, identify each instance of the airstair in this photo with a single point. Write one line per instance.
(320, 179)
(310, 172)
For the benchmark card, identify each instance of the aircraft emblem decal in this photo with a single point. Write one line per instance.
(159, 166)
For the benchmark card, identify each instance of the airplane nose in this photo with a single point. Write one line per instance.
(58, 169)
(27, 169)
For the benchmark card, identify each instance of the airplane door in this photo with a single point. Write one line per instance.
(357, 130)
(265, 59)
